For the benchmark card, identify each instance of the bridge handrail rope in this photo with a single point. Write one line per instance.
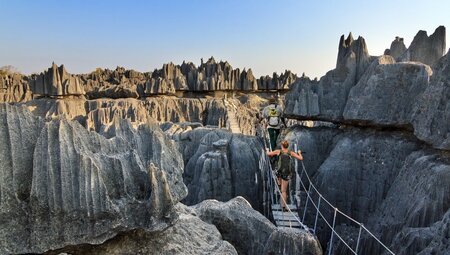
(267, 167)
(277, 189)
(336, 210)
(273, 179)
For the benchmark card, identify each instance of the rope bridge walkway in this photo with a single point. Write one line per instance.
(295, 217)
(232, 123)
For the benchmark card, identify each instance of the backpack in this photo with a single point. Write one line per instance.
(274, 117)
(284, 163)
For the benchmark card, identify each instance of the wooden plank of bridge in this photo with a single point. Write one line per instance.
(285, 219)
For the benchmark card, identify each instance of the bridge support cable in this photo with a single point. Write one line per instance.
(274, 197)
(317, 214)
(312, 189)
(284, 219)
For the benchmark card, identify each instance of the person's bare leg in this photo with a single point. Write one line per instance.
(284, 185)
(279, 181)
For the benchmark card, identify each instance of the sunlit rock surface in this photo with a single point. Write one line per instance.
(251, 233)
(63, 185)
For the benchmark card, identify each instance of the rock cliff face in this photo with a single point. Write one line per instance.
(326, 99)
(432, 110)
(59, 174)
(402, 95)
(56, 81)
(252, 233)
(188, 235)
(121, 83)
(211, 227)
(387, 180)
(118, 83)
(387, 92)
(426, 49)
(14, 88)
(97, 162)
(423, 207)
(221, 165)
(99, 114)
(397, 48)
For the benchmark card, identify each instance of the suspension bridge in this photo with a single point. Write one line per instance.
(297, 211)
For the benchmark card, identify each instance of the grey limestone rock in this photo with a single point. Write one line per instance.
(397, 48)
(426, 49)
(63, 185)
(98, 114)
(385, 179)
(56, 81)
(360, 170)
(303, 98)
(415, 212)
(118, 83)
(431, 114)
(316, 142)
(252, 233)
(358, 47)
(114, 91)
(221, 165)
(327, 98)
(387, 92)
(188, 235)
(14, 87)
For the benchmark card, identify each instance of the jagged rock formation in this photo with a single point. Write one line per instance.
(251, 233)
(188, 235)
(384, 179)
(419, 222)
(119, 83)
(424, 49)
(100, 113)
(128, 176)
(399, 95)
(387, 92)
(14, 88)
(212, 76)
(277, 82)
(58, 174)
(209, 228)
(303, 99)
(397, 49)
(327, 98)
(353, 54)
(56, 81)
(432, 110)
(221, 165)
(334, 87)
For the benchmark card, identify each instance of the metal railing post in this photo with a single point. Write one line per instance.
(359, 238)
(306, 203)
(317, 213)
(332, 232)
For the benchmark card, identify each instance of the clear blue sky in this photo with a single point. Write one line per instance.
(266, 36)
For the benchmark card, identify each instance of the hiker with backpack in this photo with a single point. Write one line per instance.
(284, 167)
(273, 114)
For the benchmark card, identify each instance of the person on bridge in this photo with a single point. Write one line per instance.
(284, 167)
(273, 113)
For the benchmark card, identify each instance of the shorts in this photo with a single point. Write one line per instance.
(285, 177)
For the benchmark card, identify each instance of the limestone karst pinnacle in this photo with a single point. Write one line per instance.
(106, 154)
(56, 81)
(427, 49)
